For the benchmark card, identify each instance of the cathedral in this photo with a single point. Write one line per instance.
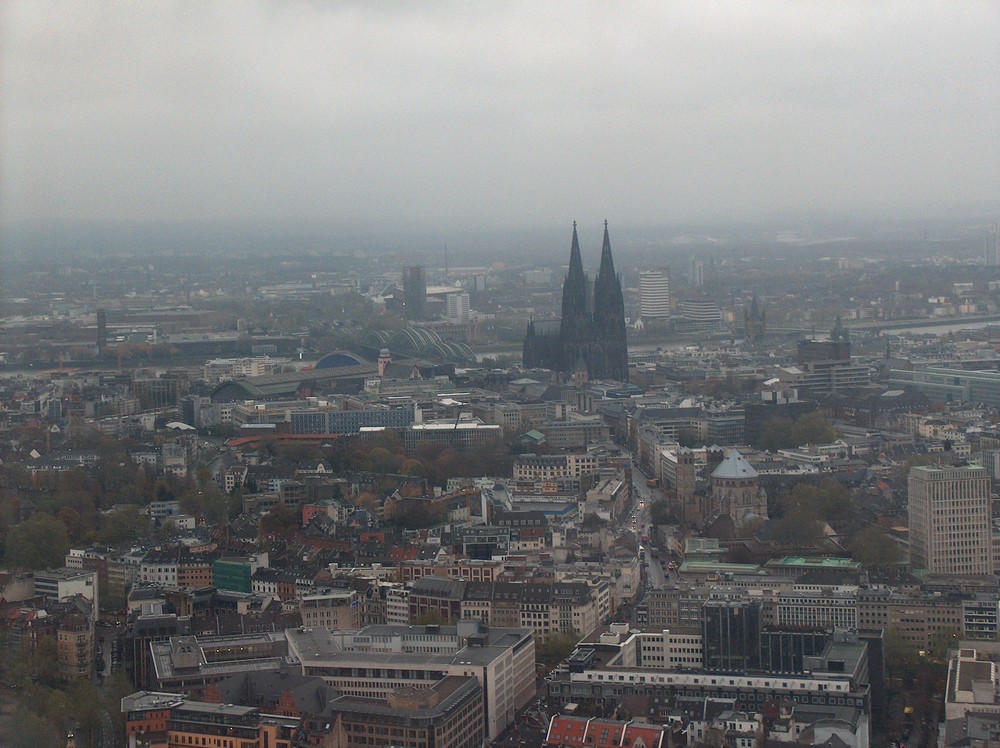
(588, 338)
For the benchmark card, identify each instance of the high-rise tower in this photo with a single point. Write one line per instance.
(654, 295)
(102, 330)
(414, 292)
(949, 518)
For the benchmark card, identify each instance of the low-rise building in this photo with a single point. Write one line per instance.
(332, 608)
(376, 661)
(166, 719)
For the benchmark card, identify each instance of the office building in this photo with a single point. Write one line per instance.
(730, 635)
(56, 584)
(190, 664)
(947, 385)
(832, 685)
(696, 273)
(157, 719)
(378, 660)
(447, 714)
(414, 292)
(949, 518)
(458, 308)
(654, 295)
(825, 365)
(701, 313)
(333, 608)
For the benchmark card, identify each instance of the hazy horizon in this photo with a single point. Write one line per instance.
(445, 120)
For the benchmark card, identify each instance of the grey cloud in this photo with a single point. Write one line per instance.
(466, 114)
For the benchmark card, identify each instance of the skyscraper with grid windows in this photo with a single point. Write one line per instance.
(949, 517)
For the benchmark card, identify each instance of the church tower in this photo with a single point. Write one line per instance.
(594, 339)
(575, 328)
(754, 321)
(611, 354)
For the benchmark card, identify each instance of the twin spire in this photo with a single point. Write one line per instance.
(607, 261)
(591, 331)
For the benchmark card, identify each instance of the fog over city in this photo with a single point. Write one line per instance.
(449, 119)
(499, 375)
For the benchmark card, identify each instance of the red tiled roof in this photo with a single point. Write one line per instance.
(581, 732)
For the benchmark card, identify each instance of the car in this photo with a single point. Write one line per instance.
(672, 566)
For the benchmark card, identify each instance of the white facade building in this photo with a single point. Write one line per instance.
(458, 308)
(654, 294)
(950, 520)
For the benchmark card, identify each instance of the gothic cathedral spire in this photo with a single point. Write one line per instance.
(575, 318)
(591, 342)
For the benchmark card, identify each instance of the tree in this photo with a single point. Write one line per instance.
(37, 543)
(941, 641)
(45, 662)
(115, 689)
(417, 514)
(411, 467)
(826, 500)
(298, 453)
(124, 526)
(432, 617)
(784, 433)
(901, 657)
(812, 428)
(113, 599)
(31, 730)
(85, 705)
(208, 502)
(797, 528)
(873, 549)
(280, 521)
(557, 647)
(71, 518)
(660, 513)
(381, 460)
(776, 434)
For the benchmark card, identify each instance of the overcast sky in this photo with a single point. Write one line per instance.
(495, 114)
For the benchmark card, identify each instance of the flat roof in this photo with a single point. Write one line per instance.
(820, 562)
(317, 646)
(141, 700)
(448, 690)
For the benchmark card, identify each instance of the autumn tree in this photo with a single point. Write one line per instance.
(812, 428)
(416, 515)
(208, 502)
(901, 657)
(412, 467)
(776, 434)
(796, 528)
(280, 521)
(124, 526)
(827, 500)
(873, 549)
(784, 433)
(40, 542)
(381, 460)
(557, 647)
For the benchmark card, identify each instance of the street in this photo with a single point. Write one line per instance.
(640, 523)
